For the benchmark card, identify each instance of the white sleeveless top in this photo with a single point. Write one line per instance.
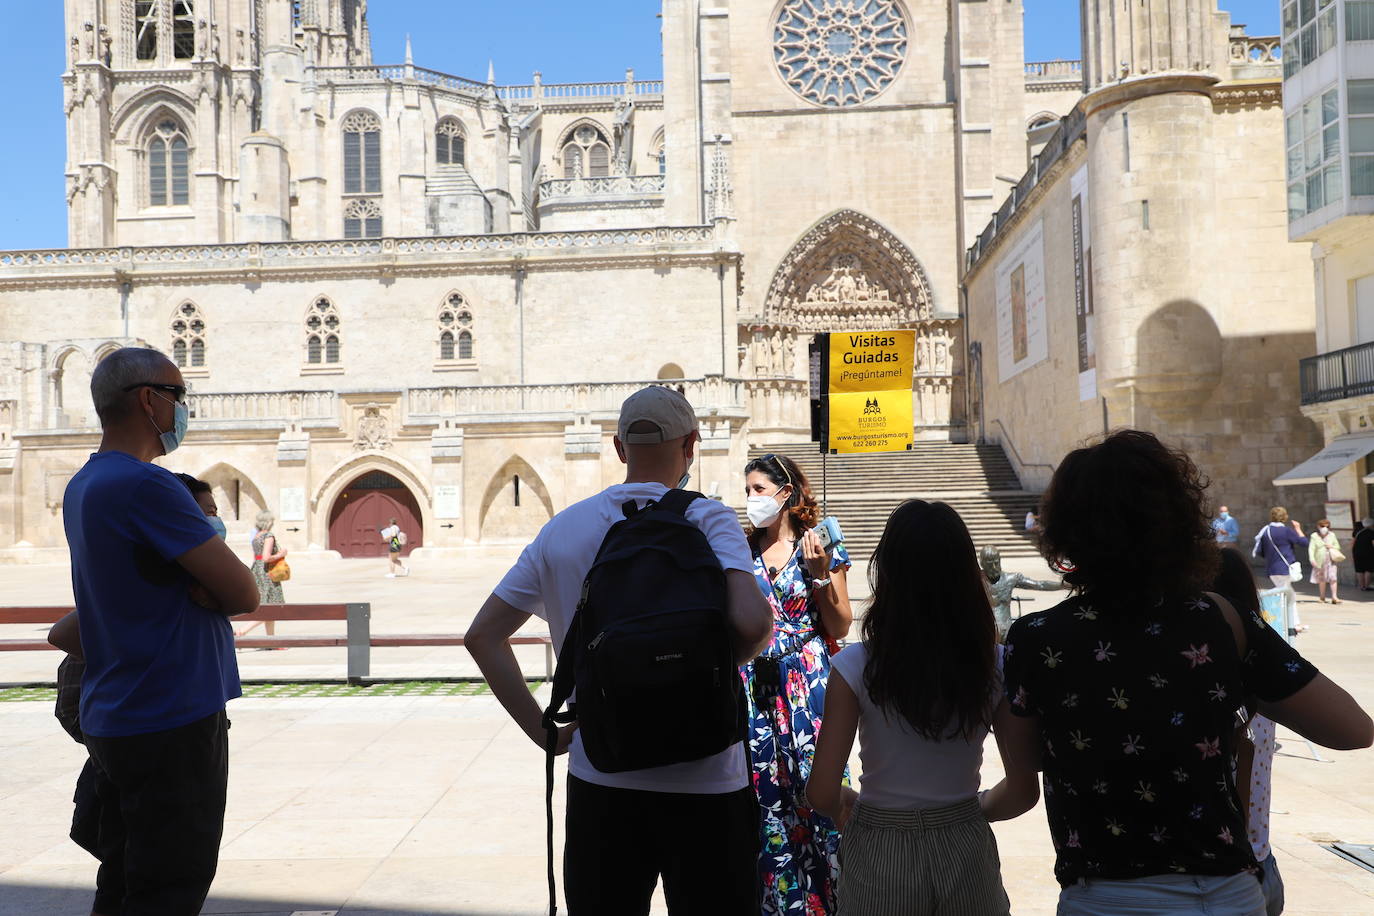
(900, 769)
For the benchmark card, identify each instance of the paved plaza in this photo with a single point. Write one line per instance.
(432, 804)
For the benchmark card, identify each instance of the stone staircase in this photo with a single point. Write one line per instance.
(862, 490)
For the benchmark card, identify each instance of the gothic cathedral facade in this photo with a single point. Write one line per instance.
(396, 290)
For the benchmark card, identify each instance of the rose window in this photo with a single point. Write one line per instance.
(839, 52)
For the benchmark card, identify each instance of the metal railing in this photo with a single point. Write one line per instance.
(1339, 374)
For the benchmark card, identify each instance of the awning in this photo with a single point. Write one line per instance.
(1339, 453)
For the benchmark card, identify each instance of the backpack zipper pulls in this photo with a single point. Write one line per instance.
(582, 601)
(595, 642)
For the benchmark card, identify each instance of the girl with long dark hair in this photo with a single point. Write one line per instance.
(922, 691)
(805, 585)
(1132, 688)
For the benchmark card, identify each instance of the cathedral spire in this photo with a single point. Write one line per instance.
(491, 72)
(409, 58)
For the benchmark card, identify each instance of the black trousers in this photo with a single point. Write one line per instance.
(161, 817)
(619, 841)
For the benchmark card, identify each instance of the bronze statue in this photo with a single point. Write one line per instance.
(1001, 585)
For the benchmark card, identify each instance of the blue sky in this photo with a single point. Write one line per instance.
(568, 42)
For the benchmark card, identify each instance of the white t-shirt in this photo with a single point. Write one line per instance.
(902, 770)
(547, 582)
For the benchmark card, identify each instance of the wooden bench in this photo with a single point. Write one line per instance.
(358, 638)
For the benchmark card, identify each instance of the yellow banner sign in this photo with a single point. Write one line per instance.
(871, 361)
(869, 391)
(871, 421)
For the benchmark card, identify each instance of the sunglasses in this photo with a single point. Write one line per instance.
(178, 391)
(777, 464)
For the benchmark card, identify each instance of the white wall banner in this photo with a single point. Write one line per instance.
(1022, 339)
(1083, 286)
(292, 504)
(448, 501)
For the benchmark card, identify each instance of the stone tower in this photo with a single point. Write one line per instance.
(168, 136)
(1148, 67)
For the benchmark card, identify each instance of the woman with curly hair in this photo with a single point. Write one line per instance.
(1131, 690)
(805, 585)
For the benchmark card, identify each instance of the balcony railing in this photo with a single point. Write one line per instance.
(1054, 71)
(1339, 374)
(501, 401)
(530, 92)
(612, 186)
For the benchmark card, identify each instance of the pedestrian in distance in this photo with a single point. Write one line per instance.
(1325, 554)
(395, 540)
(693, 822)
(1131, 691)
(1257, 744)
(921, 690)
(1362, 553)
(1226, 527)
(806, 586)
(267, 553)
(154, 587)
(1276, 544)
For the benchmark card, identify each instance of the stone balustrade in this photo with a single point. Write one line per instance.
(1256, 49)
(248, 255)
(1054, 71)
(534, 93)
(612, 186)
(779, 405)
(508, 402)
(264, 406)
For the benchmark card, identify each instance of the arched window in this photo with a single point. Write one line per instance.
(145, 29)
(363, 219)
(362, 156)
(449, 145)
(169, 181)
(183, 30)
(188, 336)
(455, 328)
(586, 153)
(322, 341)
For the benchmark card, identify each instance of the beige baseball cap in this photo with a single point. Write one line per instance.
(661, 406)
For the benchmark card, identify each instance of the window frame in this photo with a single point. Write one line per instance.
(448, 134)
(362, 218)
(322, 351)
(576, 152)
(1359, 162)
(1314, 129)
(189, 334)
(362, 139)
(456, 339)
(167, 182)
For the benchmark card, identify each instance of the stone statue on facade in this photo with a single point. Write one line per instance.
(941, 342)
(923, 352)
(1001, 586)
(775, 354)
(789, 354)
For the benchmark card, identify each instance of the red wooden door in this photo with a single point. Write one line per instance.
(360, 513)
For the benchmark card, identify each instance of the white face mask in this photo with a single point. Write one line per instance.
(1323, 531)
(762, 510)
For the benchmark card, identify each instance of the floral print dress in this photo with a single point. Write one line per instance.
(269, 592)
(799, 856)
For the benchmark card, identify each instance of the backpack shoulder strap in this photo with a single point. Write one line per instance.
(677, 501)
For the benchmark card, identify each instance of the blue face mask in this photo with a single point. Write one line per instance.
(1225, 516)
(181, 420)
(217, 523)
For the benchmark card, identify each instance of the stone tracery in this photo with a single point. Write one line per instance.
(839, 52)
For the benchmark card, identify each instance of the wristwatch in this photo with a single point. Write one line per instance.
(820, 583)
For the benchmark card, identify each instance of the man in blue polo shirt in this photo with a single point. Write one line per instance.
(154, 588)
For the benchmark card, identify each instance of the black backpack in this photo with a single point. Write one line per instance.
(651, 633)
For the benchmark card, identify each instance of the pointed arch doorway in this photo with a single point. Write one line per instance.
(366, 506)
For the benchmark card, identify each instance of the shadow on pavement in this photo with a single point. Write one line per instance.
(45, 900)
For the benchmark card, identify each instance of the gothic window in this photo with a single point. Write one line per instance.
(145, 29)
(168, 166)
(183, 30)
(363, 219)
(586, 154)
(322, 332)
(449, 144)
(839, 53)
(188, 336)
(362, 153)
(455, 328)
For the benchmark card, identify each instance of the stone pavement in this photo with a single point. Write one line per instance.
(420, 804)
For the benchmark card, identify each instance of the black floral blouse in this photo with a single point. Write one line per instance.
(1137, 701)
